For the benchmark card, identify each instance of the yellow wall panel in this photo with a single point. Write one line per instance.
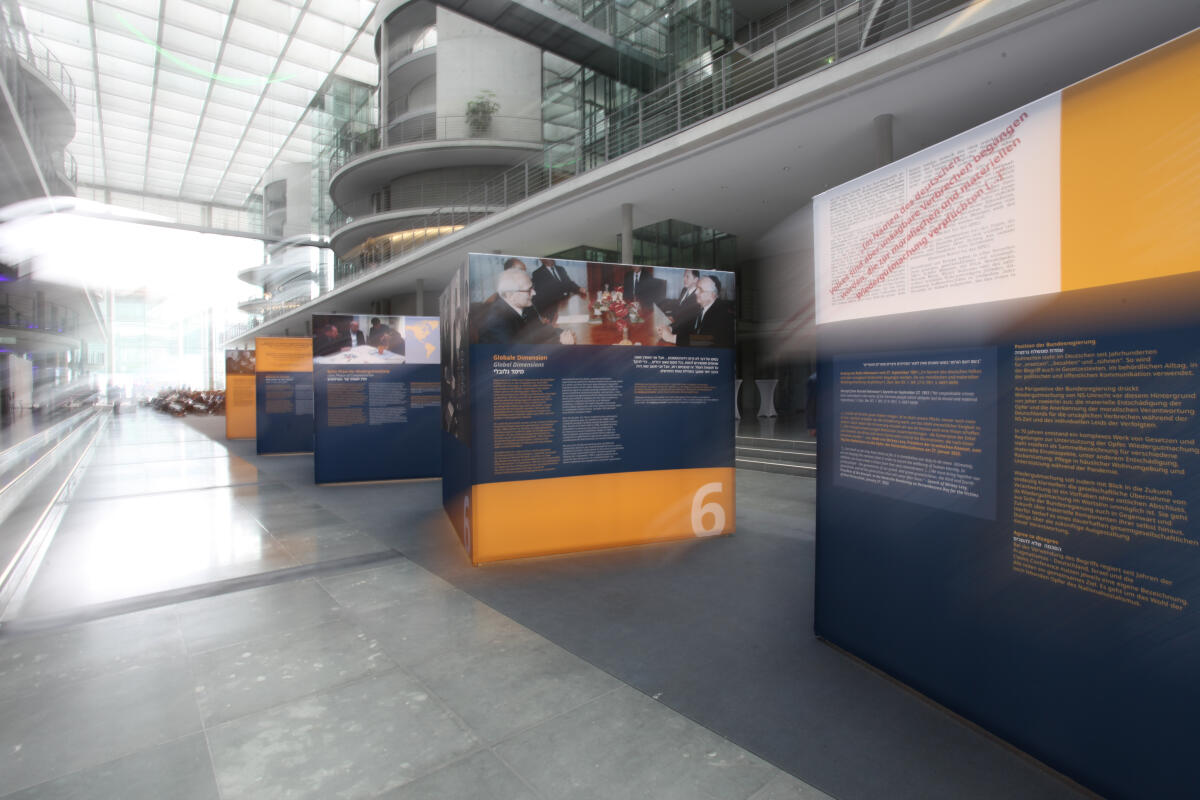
(239, 407)
(283, 354)
(586, 512)
(1131, 168)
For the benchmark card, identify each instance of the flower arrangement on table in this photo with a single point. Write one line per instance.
(622, 315)
(612, 306)
(604, 300)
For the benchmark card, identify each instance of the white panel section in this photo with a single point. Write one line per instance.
(256, 37)
(973, 219)
(271, 14)
(252, 61)
(178, 101)
(196, 17)
(323, 32)
(185, 44)
(473, 57)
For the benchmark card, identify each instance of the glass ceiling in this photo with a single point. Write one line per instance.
(195, 100)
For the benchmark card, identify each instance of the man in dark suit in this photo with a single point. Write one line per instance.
(712, 325)
(552, 285)
(683, 310)
(511, 319)
(641, 285)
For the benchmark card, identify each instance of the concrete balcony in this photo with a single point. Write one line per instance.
(363, 163)
(407, 226)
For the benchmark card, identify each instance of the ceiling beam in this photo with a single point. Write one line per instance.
(212, 81)
(162, 14)
(263, 96)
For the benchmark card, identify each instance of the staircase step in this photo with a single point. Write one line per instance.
(783, 456)
(809, 445)
(801, 470)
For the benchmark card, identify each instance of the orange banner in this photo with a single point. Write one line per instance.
(283, 354)
(1130, 160)
(587, 512)
(239, 407)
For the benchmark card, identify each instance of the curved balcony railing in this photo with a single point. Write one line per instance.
(794, 50)
(433, 128)
(388, 199)
(70, 168)
(46, 64)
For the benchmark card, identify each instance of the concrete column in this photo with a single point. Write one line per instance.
(110, 343)
(626, 233)
(883, 140)
(208, 333)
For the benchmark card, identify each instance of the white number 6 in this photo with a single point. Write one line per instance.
(700, 510)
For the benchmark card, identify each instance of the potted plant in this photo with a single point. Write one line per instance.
(480, 110)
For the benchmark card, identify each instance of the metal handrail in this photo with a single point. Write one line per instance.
(45, 63)
(781, 56)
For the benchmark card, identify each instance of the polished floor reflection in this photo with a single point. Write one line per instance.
(158, 507)
(323, 679)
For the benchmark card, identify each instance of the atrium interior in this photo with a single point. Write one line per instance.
(182, 616)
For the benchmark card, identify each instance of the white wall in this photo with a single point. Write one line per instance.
(472, 57)
(299, 196)
(424, 94)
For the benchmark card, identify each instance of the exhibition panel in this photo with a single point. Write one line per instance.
(376, 397)
(240, 409)
(283, 395)
(585, 405)
(1005, 487)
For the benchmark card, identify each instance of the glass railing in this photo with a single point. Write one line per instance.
(25, 312)
(800, 47)
(386, 199)
(70, 168)
(432, 128)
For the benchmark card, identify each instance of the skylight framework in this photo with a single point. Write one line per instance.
(193, 101)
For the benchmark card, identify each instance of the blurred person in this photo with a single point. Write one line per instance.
(810, 404)
(329, 340)
(357, 337)
(392, 340)
(377, 330)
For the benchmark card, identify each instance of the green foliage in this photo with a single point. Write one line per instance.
(480, 110)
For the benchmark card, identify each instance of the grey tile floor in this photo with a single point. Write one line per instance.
(377, 681)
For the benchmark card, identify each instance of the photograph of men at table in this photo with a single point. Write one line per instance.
(339, 339)
(239, 362)
(597, 303)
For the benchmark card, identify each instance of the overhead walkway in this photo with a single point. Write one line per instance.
(206, 622)
(554, 28)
